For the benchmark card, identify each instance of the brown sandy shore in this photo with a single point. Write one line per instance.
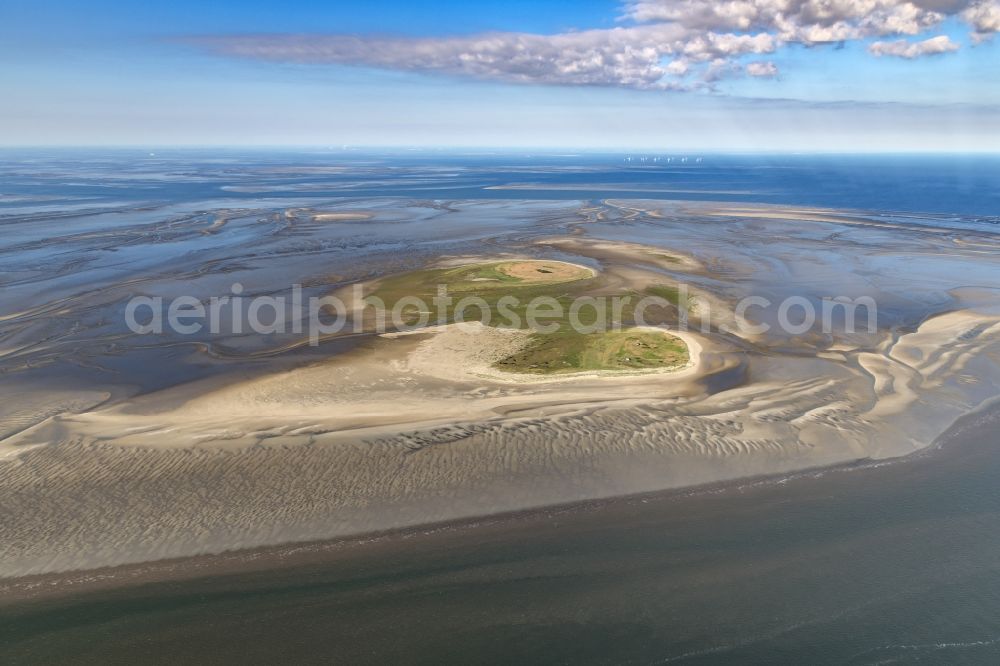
(968, 431)
(417, 429)
(902, 551)
(356, 548)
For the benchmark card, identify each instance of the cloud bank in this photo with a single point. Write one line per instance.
(909, 50)
(662, 44)
(647, 56)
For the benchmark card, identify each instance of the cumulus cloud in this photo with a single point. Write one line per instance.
(662, 44)
(760, 69)
(811, 21)
(909, 50)
(984, 17)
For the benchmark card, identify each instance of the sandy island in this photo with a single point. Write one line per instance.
(421, 427)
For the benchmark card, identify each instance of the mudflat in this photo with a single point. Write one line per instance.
(259, 442)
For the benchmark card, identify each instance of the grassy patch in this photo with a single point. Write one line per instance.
(569, 351)
(669, 293)
(561, 351)
(490, 282)
(489, 274)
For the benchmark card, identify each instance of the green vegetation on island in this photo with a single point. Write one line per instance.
(628, 349)
(575, 329)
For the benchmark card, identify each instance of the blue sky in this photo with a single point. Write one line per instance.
(657, 74)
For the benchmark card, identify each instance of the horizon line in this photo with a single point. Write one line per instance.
(547, 150)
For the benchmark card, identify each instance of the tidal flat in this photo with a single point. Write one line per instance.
(120, 448)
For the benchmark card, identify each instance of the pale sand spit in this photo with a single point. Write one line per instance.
(385, 438)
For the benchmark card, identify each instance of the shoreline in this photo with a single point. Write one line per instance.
(727, 573)
(59, 585)
(298, 553)
(475, 362)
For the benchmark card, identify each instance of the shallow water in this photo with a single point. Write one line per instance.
(83, 231)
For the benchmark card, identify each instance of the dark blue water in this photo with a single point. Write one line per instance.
(947, 185)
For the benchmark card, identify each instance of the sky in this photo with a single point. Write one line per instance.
(739, 75)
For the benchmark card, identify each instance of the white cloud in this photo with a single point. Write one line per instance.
(636, 57)
(713, 45)
(665, 44)
(984, 17)
(621, 56)
(809, 21)
(819, 21)
(678, 67)
(909, 50)
(767, 70)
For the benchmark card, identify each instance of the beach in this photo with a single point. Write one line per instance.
(739, 571)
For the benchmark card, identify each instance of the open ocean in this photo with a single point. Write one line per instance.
(943, 185)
